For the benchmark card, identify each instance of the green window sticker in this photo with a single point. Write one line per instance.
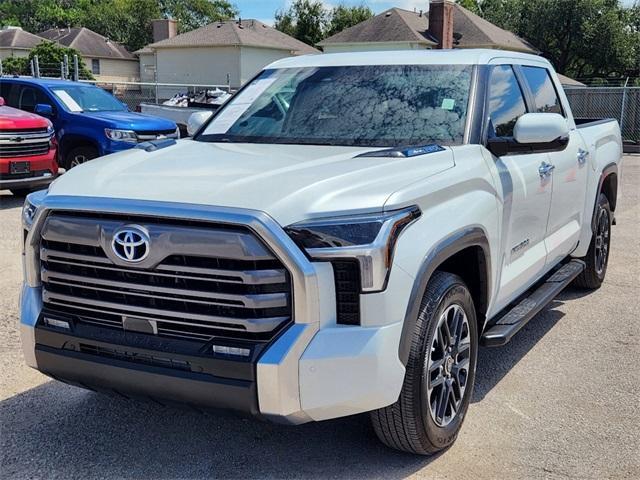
(448, 104)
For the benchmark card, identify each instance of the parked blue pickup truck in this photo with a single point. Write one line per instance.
(89, 122)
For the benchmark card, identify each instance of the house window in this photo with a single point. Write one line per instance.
(95, 66)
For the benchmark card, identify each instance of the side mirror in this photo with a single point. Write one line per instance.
(533, 133)
(196, 120)
(43, 110)
(535, 128)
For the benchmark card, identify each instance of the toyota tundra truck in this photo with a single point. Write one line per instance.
(339, 238)
(27, 151)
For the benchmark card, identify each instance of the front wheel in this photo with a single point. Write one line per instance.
(440, 372)
(78, 156)
(597, 257)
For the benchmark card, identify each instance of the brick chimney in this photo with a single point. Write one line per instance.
(441, 22)
(164, 28)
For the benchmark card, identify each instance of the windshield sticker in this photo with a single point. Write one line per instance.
(69, 102)
(448, 104)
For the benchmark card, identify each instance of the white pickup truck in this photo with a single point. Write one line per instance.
(339, 238)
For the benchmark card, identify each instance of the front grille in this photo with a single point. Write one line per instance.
(120, 354)
(17, 149)
(208, 280)
(24, 132)
(146, 135)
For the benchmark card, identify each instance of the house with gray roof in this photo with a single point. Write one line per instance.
(15, 42)
(108, 60)
(226, 52)
(445, 25)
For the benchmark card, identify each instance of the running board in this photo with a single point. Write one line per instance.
(508, 325)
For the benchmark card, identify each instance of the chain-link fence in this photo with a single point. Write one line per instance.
(621, 103)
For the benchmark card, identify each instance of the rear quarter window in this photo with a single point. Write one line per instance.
(544, 92)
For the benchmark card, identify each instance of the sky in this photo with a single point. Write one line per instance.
(264, 10)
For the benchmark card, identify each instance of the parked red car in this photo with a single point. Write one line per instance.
(27, 151)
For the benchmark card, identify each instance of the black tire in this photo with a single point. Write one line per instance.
(597, 257)
(79, 155)
(410, 424)
(21, 192)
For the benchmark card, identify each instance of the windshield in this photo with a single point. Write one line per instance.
(373, 105)
(81, 98)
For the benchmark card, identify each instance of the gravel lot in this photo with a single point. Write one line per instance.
(562, 400)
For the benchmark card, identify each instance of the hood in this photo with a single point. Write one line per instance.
(289, 182)
(14, 119)
(131, 121)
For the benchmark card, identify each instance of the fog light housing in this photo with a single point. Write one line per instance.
(231, 351)
(54, 322)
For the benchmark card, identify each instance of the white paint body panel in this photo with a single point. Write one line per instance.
(340, 370)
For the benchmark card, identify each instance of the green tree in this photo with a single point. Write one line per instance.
(51, 54)
(342, 17)
(125, 21)
(305, 20)
(580, 37)
(471, 5)
(192, 14)
(15, 66)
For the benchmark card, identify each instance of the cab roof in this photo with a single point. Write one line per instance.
(409, 57)
(45, 82)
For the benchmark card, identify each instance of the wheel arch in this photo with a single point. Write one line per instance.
(73, 140)
(467, 247)
(608, 184)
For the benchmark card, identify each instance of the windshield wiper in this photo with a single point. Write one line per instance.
(403, 152)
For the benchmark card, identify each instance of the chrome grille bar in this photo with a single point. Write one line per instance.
(197, 281)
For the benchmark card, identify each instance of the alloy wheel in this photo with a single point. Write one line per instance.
(448, 360)
(77, 160)
(602, 240)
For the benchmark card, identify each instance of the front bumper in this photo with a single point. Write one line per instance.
(27, 183)
(314, 370)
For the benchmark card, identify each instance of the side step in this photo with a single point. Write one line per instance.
(508, 325)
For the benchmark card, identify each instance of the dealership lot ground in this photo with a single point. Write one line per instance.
(562, 400)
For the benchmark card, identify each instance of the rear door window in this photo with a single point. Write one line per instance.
(544, 93)
(506, 101)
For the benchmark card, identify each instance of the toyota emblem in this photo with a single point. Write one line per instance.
(131, 243)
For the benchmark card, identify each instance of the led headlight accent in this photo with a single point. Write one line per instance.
(370, 239)
(30, 214)
(128, 136)
(30, 208)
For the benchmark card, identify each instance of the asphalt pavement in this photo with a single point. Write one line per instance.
(562, 400)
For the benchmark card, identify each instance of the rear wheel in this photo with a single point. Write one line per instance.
(597, 257)
(440, 372)
(79, 155)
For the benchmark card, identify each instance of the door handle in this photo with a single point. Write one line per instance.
(545, 169)
(582, 156)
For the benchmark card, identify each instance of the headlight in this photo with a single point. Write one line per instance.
(30, 207)
(121, 135)
(30, 258)
(369, 239)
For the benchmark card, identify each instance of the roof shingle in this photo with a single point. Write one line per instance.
(232, 33)
(88, 43)
(398, 25)
(18, 39)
